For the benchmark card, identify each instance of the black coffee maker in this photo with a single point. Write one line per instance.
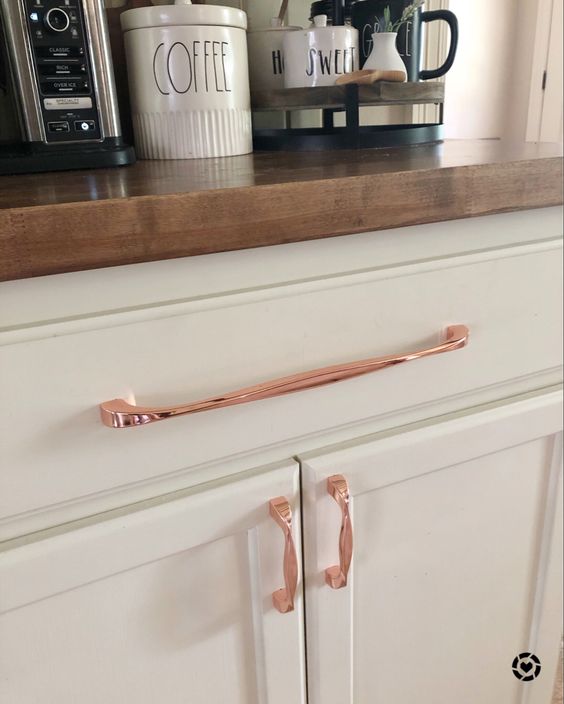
(58, 106)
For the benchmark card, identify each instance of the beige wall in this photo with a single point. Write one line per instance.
(489, 89)
(478, 85)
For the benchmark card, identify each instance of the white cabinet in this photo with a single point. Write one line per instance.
(456, 561)
(167, 604)
(456, 569)
(138, 565)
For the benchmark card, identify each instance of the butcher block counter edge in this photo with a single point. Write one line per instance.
(56, 223)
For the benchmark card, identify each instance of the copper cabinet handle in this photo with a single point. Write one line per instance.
(336, 576)
(118, 413)
(283, 599)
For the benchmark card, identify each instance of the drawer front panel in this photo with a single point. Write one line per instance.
(54, 448)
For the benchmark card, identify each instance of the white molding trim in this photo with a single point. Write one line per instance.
(540, 58)
(544, 118)
(551, 121)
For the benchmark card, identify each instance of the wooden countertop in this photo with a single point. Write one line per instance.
(59, 222)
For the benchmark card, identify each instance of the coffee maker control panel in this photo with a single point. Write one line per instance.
(58, 40)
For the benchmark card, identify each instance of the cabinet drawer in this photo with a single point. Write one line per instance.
(55, 449)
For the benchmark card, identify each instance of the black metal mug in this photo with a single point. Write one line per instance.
(368, 17)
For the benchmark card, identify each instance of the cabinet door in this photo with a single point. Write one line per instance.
(171, 603)
(456, 561)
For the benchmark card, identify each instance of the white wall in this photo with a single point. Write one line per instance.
(478, 85)
(260, 12)
(525, 35)
(494, 88)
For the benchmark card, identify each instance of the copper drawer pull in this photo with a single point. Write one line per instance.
(336, 576)
(283, 599)
(118, 413)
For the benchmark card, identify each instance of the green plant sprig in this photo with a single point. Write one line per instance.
(406, 15)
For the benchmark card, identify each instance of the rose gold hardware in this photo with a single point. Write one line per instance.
(336, 576)
(283, 599)
(121, 414)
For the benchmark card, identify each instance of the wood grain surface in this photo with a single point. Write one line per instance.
(380, 93)
(54, 223)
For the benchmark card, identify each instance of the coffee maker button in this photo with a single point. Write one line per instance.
(84, 126)
(65, 86)
(57, 20)
(67, 102)
(60, 126)
(62, 69)
(59, 52)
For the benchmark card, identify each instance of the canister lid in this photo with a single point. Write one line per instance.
(179, 15)
(325, 7)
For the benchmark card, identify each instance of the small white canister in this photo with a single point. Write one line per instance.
(188, 80)
(266, 55)
(319, 55)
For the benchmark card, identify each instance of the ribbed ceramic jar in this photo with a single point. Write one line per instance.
(188, 81)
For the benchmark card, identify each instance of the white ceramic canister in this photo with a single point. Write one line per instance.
(266, 55)
(319, 55)
(188, 80)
